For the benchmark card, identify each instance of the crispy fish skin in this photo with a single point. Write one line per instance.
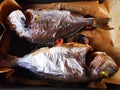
(58, 63)
(45, 26)
(66, 64)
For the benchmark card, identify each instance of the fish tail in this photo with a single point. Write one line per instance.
(103, 23)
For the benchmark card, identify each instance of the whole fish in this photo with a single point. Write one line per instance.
(66, 63)
(46, 26)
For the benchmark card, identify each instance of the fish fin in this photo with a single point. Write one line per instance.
(58, 42)
(103, 23)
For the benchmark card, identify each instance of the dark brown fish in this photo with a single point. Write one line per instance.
(46, 26)
(65, 64)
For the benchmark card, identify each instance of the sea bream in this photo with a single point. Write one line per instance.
(66, 63)
(46, 26)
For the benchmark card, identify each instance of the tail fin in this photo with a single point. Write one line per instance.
(103, 23)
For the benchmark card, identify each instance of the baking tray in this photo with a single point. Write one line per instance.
(18, 86)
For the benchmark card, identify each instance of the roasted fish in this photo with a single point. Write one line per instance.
(66, 63)
(46, 26)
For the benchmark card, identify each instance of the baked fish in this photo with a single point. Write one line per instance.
(46, 26)
(65, 64)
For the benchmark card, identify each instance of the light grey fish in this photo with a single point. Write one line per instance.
(67, 63)
(47, 26)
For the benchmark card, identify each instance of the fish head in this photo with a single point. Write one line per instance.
(16, 20)
(102, 66)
